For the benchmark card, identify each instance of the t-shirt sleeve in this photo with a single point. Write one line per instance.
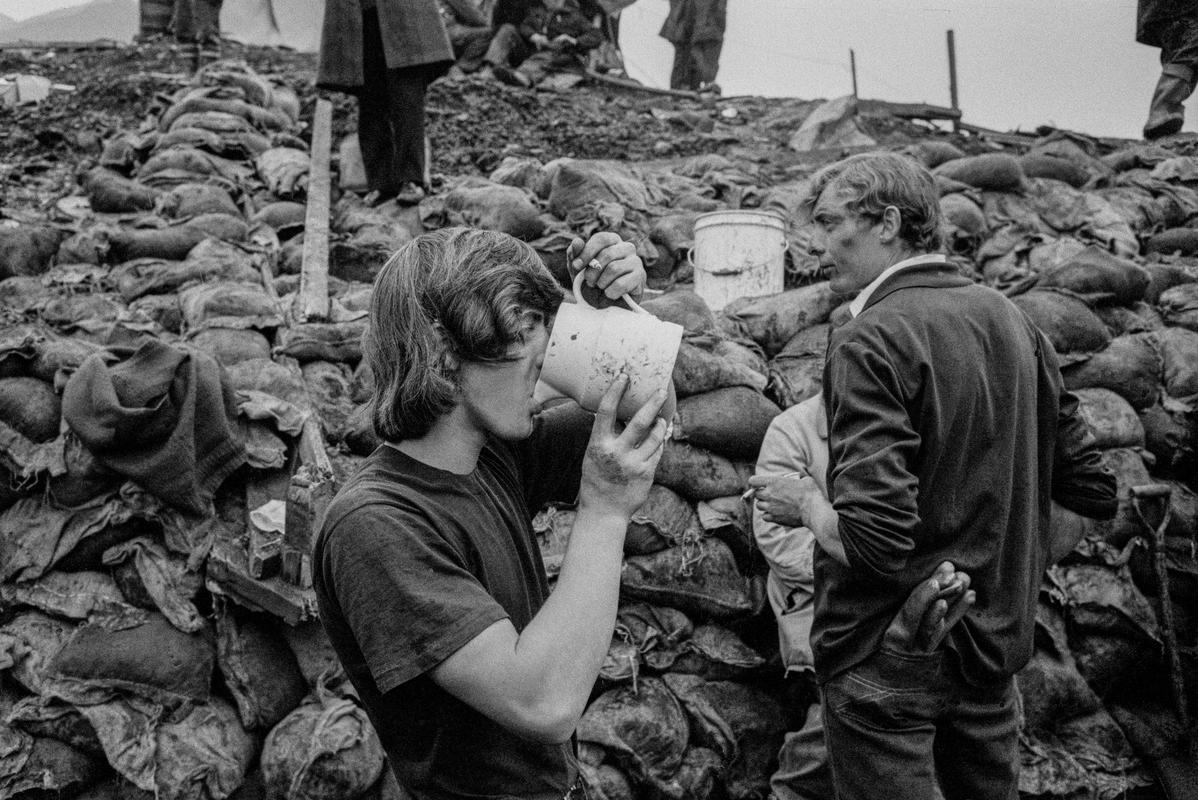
(550, 460)
(404, 591)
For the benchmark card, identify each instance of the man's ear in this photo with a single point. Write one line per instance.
(448, 358)
(892, 223)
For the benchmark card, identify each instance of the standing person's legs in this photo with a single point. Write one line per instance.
(682, 75)
(879, 723)
(977, 744)
(1179, 72)
(707, 60)
(374, 121)
(405, 108)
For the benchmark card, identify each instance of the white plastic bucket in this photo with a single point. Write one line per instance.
(738, 254)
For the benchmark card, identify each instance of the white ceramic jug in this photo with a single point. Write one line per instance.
(588, 347)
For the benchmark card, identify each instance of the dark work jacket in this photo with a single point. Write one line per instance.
(1153, 16)
(413, 35)
(570, 22)
(950, 430)
(695, 21)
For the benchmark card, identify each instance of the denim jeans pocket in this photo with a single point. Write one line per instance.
(890, 691)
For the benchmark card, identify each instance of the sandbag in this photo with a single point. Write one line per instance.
(797, 371)
(773, 320)
(1172, 437)
(74, 595)
(1179, 358)
(658, 633)
(175, 242)
(1050, 687)
(286, 217)
(742, 724)
(154, 578)
(643, 728)
(964, 222)
(82, 311)
(229, 304)
(191, 199)
(715, 653)
(1111, 419)
(1179, 306)
(1130, 365)
(270, 377)
(1042, 165)
(31, 407)
(328, 387)
(685, 308)
(1181, 241)
(28, 249)
(1163, 277)
(153, 660)
(697, 370)
(1136, 318)
(996, 172)
(731, 421)
(259, 669)
(323, 341)
(324, 750)
(577, 187)
(110, 193)
(29, 641)
(203, 756)
(699, 474)
(1067, 322)
(1112, 628)
(527, 173)
(933, 152)
(45, 767)
(230, 345)
(701, 580)
(210, 260)
(314, 653)
(664, 520)
(284, 170)
(1129, 469)
(495, 207)
(1098, 274)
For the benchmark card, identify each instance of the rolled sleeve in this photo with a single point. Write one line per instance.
(873, 444)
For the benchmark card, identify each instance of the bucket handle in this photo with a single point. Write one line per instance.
(578, 279)
(690, 259)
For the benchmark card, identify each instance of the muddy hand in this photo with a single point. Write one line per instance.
(610, 263)
(934, 606)
(619, 465)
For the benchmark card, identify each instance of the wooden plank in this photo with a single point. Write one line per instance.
(97, 44)
(312, 300)
(909, 110)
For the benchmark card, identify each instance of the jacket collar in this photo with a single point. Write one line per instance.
(935, 275)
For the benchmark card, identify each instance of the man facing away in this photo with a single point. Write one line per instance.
(427, 573)
(950, 432)
(1171, 25)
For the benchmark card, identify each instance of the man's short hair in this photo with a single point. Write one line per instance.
(878, 180)
(454, 292)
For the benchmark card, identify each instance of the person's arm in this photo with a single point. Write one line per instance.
(873, 443)
(536, 682)
(786, 546)
(468, 13)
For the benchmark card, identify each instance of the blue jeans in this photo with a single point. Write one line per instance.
(898, 724)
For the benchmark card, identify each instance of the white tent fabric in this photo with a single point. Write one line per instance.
(288, 23)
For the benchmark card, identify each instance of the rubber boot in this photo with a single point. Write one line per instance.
(1166, 114)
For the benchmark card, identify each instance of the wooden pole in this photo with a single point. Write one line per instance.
(952, 79)
(853, 69)
(312, 301)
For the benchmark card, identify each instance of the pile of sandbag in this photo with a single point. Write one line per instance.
(150, 373)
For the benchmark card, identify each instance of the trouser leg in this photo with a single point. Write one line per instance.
(374, 119)
(707, 60)
(803, 771)
(681, 76)
(977, 744)
(471, 48)
(879, 724)
(507, 47)
(406, 88)
(1179, 65)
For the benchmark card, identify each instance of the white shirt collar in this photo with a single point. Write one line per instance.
(858, 303)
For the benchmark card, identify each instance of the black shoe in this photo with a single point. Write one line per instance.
(410, 194)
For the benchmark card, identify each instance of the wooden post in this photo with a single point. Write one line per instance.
(312, 300)
(853, 69)
(952, 79)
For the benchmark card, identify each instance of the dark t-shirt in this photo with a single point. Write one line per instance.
(413, 562)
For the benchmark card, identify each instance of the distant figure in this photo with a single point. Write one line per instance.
(696, 29)
(386, 52)
(1171, 25)
(469, 30)
(554, 35)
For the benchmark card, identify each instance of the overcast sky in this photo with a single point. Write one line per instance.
(1020, 63)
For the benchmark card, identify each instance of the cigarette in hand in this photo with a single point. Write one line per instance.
(751, 492)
